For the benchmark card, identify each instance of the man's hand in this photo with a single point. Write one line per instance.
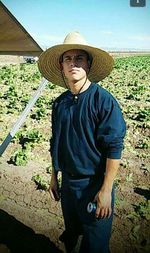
(103, 199)
(54, 188)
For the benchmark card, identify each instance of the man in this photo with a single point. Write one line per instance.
(87, 139)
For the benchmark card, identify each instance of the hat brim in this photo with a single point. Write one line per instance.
(49, 65)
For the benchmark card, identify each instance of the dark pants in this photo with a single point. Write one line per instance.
(76, 194)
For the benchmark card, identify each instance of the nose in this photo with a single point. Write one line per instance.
(73, 61)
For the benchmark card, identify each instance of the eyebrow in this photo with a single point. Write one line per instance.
(89, 57)
(78, 55)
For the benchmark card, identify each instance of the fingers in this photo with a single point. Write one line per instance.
(102, 213)
(109, 212)
(97, 213)
(54, 194)
(103, 200)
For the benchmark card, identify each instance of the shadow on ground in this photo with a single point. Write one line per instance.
(143, 192)
(20, 238)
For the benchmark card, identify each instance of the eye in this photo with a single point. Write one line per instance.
(80, 58)
(67, 59)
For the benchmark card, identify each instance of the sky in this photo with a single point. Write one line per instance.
(106, 24)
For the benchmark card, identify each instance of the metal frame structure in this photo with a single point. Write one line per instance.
(18, 43)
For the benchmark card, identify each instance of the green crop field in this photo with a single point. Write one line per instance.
(129, 82)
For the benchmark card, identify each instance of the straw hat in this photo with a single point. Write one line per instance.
(49, 64)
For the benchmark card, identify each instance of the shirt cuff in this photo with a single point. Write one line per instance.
(114, 154)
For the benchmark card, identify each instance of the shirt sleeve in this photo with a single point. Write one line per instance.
(111, 128)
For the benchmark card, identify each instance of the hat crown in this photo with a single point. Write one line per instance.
(75, 38)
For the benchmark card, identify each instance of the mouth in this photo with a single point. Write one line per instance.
(73, 70)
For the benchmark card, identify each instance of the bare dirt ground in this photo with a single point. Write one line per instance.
(34, 208)
(10, 59)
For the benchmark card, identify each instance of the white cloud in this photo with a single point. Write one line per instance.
(140, 37)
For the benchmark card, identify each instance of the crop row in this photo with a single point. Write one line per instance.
(128, 82)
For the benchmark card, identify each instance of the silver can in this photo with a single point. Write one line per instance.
(91, 207)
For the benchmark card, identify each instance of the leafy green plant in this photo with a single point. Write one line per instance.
(12, 92)
(20, 157)
(143, 144)
(30, 136)
(40, 182)
(49, 169)
(117, 182)
(39, 114)
(129, 177)
(51, 86)
(33, 135)
(143, 115)
(143, 209)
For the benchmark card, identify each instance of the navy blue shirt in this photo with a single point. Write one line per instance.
(86, 131)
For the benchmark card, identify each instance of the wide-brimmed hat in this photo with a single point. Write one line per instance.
(49, 61)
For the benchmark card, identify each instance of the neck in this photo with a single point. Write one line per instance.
(79, 86)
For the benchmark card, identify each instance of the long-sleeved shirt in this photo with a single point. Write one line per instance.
(86, 131)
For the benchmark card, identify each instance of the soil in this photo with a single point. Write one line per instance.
(34, 208)
(20, 197)
(10, 59)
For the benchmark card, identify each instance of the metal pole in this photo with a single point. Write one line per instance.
(23, 116)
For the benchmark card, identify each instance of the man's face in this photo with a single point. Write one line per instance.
(75, 64)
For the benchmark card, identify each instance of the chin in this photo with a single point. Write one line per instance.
(75, 81)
